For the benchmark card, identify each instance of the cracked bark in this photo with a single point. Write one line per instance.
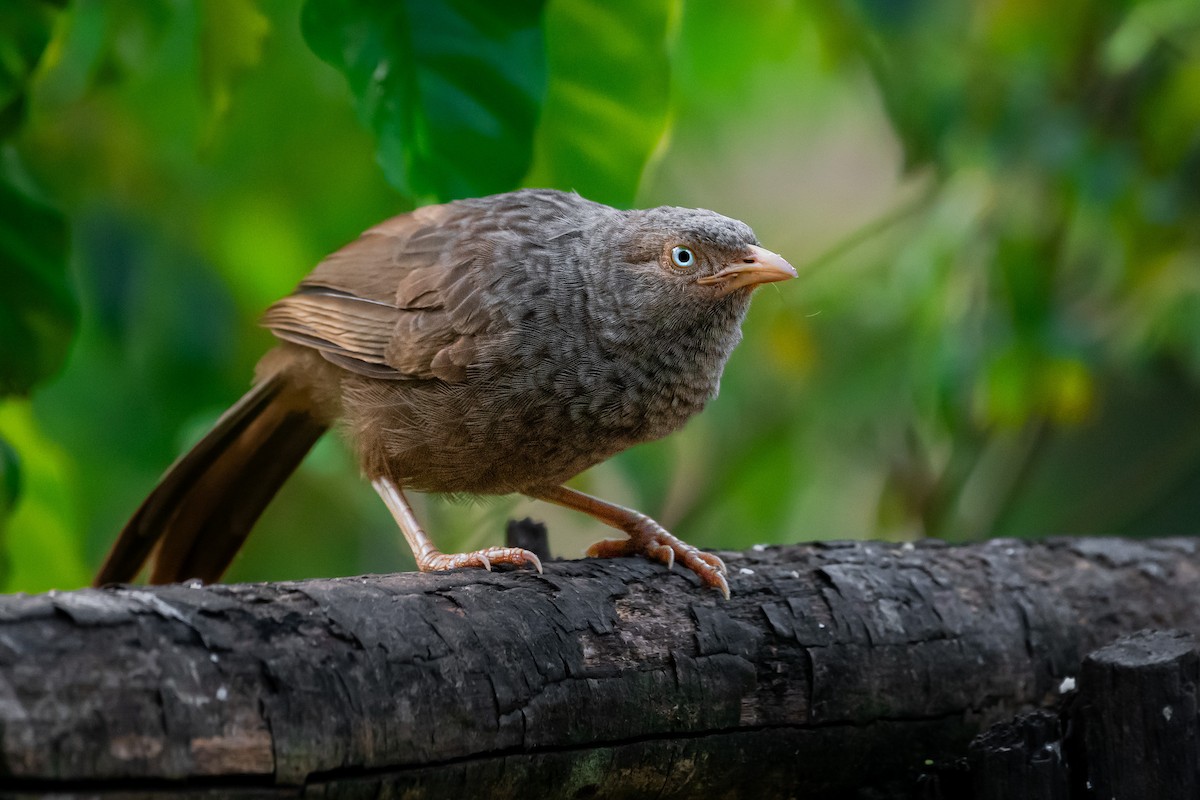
(834, 667)
(1130, 731)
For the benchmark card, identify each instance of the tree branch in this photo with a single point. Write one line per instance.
(834, 666)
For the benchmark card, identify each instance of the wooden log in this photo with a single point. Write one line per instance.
(1137, 713)
(834, 667)
(1021, 758)
(1130, 731)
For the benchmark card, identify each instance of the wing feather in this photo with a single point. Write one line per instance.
(334, 323)
(400, 302)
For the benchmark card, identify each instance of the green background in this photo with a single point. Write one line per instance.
(994, 208)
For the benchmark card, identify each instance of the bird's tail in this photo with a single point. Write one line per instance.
(204, 506)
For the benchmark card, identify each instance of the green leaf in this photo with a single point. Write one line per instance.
(37, 308)
(231, 41)
(1148, 25)
(10, 479)
(24, 33)
(606, 104)
(40, 548)
(452, 88)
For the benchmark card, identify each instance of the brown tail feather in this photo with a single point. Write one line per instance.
(204, 506)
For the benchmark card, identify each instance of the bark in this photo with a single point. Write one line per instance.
(1021, 758)
(834, 667)
(1131, 730)
(1137, 717)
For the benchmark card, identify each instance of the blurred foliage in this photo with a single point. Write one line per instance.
(37, 314)
(597, 131)
(451, 89)
(26, 32)
(37, 308)
(995, 207)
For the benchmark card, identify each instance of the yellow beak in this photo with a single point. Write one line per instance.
(757, 267)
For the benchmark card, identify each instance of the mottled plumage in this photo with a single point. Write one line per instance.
(489, 346)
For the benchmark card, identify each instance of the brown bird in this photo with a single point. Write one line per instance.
(487, 346)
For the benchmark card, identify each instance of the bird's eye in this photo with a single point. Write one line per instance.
(682, 257)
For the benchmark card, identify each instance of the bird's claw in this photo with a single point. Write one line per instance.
(433, 561)
(651, 540)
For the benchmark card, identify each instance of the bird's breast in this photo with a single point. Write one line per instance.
(560, 387)
(604, 380)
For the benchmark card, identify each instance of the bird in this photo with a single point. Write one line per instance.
(484, 346)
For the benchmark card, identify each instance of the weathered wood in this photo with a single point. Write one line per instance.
(1021, 758)
(834, 666)
(1137, 713)
(530, 535)
(1130, 731)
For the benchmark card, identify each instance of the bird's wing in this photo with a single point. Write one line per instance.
(400, 302)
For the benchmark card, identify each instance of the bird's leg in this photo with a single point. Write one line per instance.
(429, 558)
(646, 537)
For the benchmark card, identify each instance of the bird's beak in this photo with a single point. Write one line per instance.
(758, 266)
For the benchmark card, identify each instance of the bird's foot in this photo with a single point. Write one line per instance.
(431, 560)
(648, 538)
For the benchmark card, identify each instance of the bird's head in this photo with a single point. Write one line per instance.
(698, 254)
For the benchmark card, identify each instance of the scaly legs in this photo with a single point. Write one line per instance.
(646, 537)
(429, 558)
